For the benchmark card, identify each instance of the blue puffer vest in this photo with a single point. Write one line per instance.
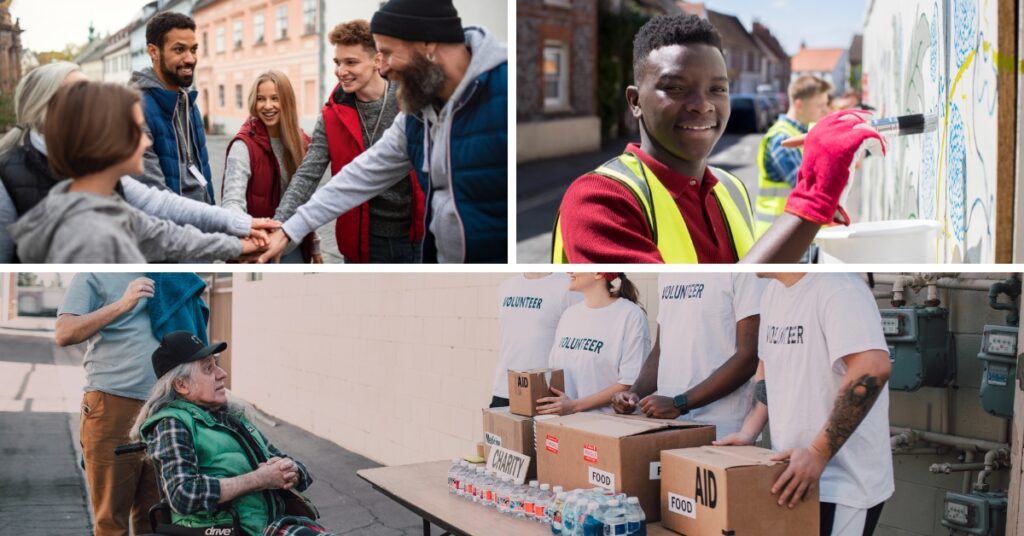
(479, 167)
(158, 106)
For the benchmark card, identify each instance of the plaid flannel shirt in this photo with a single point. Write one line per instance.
(186, 489)
(781, 163)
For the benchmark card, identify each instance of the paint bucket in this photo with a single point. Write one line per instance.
(896, 241)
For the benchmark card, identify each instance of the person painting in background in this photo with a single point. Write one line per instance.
(600, 344)
(778, 165)
(259, 169)
(529, 307)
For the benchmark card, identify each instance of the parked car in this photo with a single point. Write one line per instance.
(750, 113)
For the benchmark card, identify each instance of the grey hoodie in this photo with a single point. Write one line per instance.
(387, 162)
(75, 227)
(152, 174)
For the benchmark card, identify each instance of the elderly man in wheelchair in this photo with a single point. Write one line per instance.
(217, 473)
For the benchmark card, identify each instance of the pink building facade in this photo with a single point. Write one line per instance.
(239, 39)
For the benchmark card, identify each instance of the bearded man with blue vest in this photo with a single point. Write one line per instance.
(778, 165)
(178, 160)
(209, 456)
(659, 202)
(452, 131)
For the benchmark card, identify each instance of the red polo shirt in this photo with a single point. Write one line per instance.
(602, 222)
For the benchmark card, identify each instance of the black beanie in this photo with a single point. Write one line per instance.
(433, 21)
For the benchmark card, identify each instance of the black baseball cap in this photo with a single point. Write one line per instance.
(179, 347)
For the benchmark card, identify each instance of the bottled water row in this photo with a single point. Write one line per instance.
(594, 512)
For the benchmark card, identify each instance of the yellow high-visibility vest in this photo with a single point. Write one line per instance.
(668, 228)
(771, 195)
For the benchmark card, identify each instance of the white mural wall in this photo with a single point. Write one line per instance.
(936, 56)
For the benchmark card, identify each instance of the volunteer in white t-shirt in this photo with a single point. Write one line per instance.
(704, 354)
(825, 365)
(600, 344)
(529, 306)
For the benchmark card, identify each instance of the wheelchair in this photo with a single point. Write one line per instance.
(160, 514)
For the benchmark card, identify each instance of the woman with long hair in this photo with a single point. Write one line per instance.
(26, 176)
(259, 169)
(600, 344)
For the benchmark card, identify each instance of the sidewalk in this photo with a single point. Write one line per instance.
(42, 491)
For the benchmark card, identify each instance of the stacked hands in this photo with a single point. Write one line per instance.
(277, 473)
(266, 242)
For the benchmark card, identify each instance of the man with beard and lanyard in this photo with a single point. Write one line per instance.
(453, 131)
(704, 354)
(659, 202)
(824, 366)
(178, 160)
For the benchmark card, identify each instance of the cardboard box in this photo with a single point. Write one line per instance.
(514, 432)
(726, 490)
(526, 386)
(614, 452)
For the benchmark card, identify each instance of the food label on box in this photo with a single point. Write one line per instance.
(590, 453)
(551, 443)
(601, 478)
(655, 471)
(677, 504)
(492, 439)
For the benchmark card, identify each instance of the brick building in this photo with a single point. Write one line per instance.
(556, 77)
(10, 50)
(775, 62)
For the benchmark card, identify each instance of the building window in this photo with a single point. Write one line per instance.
(206, 43)
(220, 39)
(258, 28)
(282, 22)
(308, 17)
(238, 34)
(556, 76)
(560, 3)
(220, 95)
(238, 96)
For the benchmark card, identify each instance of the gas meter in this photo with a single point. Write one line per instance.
(999, 356)
(978, 513)
(920, 347)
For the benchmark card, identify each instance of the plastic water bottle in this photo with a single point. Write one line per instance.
(478, 485)
(453, 476)
(592, 523)
(530, 499)
(557, 507)
(487, 489)
(505, 495)
(518, 507)
(569, 513)
(463, 477)
(542, 506)
(636, 521)
(614, 518)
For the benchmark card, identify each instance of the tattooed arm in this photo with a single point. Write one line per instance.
(866, 374)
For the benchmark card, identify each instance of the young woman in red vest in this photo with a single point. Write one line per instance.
(259, 169)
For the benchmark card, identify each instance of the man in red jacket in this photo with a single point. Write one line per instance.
(388, 228)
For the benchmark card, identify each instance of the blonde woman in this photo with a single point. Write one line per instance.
(272, 146)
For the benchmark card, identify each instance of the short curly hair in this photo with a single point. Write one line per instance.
(165, 21)
(354, 32)
(668, 30)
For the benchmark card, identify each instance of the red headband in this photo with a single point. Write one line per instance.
(610, 276)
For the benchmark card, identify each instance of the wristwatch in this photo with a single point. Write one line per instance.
(680, 402)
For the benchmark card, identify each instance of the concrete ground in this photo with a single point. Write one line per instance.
(42, 488)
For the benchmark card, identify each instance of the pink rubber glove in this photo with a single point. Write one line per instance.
(832, 150)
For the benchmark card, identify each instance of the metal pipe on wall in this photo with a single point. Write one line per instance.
(966, 444)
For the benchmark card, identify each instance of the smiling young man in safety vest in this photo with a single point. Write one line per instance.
(777, 165)
(659, 202)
